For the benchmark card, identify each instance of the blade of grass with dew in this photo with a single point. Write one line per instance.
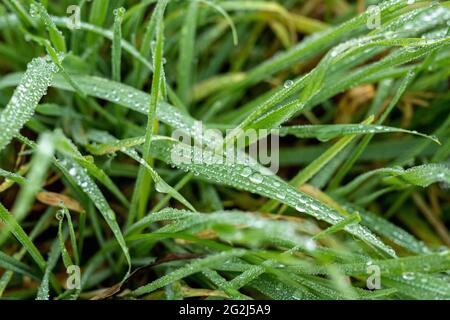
(254, 180)
(62, 236)
(66, 147)
(387, 229)
(315, 166)
(53, 256)
(247, 176)
(11, 176)
(328, 132)
(83, 180)
(116, 56)
(72, 235)
(143, 185)
(363, 144)
(10, 264)
(56, 36)
(421, 176)
(83, 185)
(105, 144)
(32, 87)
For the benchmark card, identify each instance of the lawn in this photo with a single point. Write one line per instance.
(224, 149)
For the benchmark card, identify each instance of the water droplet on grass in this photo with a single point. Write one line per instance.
(310, 245)
(73, 172)
(256, 178)
(288, 84)
(408, 276)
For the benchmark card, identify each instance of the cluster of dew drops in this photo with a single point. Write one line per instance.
(27, 95)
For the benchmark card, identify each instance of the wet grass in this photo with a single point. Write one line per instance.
(89, 185)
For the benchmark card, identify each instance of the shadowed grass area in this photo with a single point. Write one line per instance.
(100, 199)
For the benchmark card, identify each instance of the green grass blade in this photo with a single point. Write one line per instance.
(32, 87)
(185, 64)
(56, 36)
(22, 237)
(142, 189)
(116, 56)
(246, 177)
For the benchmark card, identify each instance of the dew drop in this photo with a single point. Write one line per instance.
(288, 84)
(310, 245)
(256, 178)
(73, 172)
(408, 276)
(281, 196)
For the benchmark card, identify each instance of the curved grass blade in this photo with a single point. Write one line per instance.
(62, 236)
(109, 144)
(14, 265)
(387, 229)
(80, 175)
(253, 178)
(328, 132)
(32, 87)
(66, 147)
(83, 180)
(43, 290)
(56, 36)
(72, 236)
(354, 218)
(423, 175)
